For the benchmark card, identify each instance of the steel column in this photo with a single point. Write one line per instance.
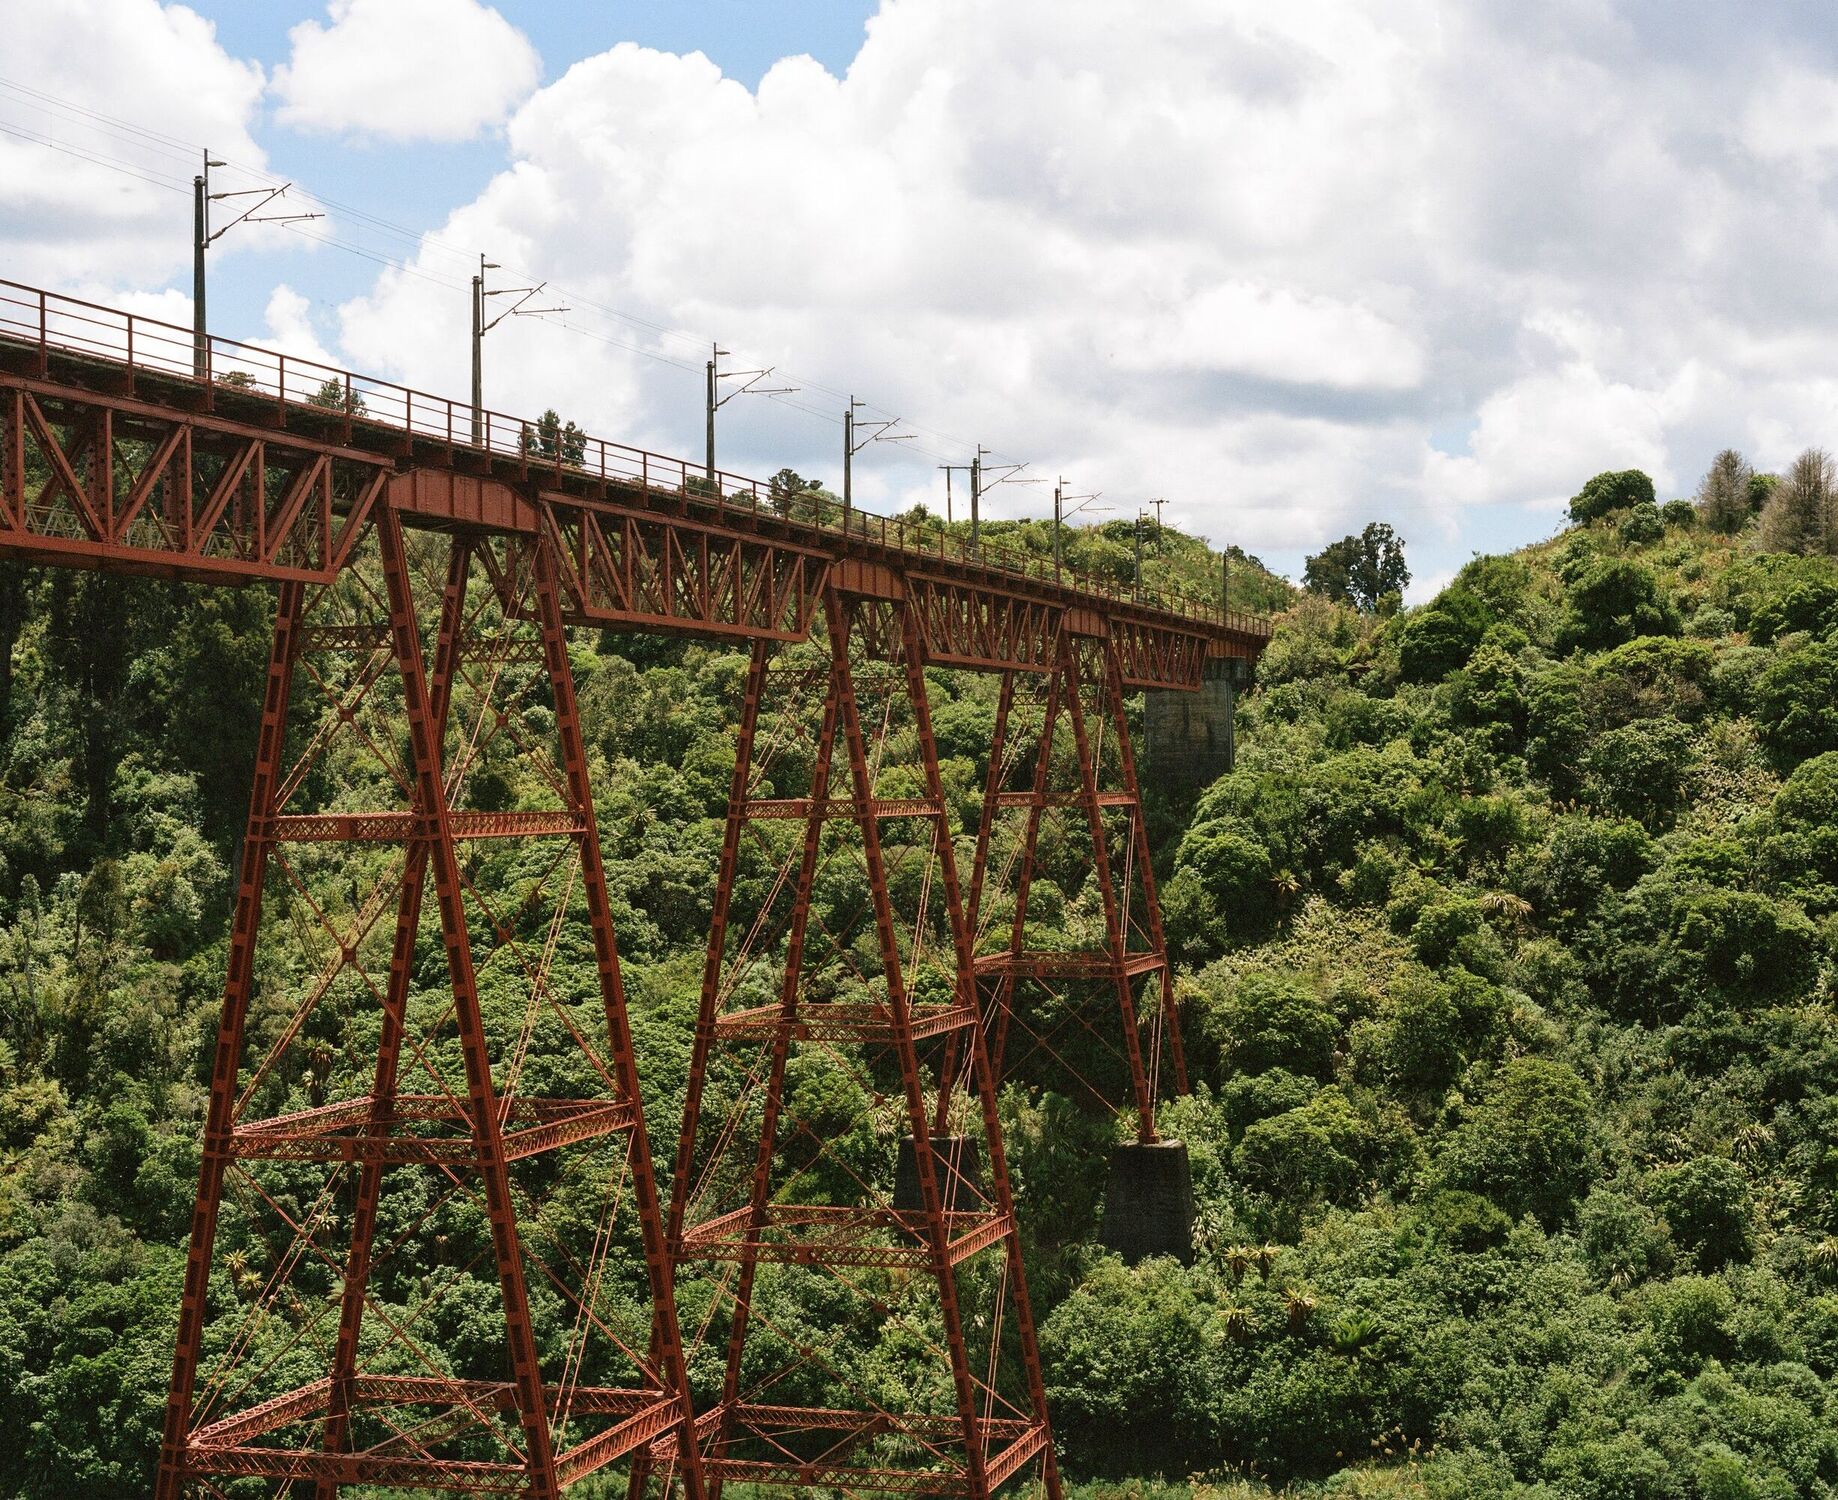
(1126, 755)
(1113, 921)
(666, 1342)
(389, 1043)
(238, 985)
(487, 1134)
(887, 929)
(963, 943)
(781, 1051)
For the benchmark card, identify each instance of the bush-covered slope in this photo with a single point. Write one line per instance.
(1507, 971)
(1513, 935)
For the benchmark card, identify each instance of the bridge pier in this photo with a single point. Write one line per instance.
(1188, 741)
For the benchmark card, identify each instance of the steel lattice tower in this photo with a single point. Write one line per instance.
(406, 1118)
(840, 1139)
(1097, 1014)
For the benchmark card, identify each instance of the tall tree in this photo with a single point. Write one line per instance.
(1724, 499)
(1359, 570)
(788, 486)
(336, 395)
(551, 439)
(1798, 515)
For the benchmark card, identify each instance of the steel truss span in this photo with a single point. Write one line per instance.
(861, 1003)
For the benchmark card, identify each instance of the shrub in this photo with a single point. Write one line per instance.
(1583, 857)
(1613, 601)
(1641, 524)
(1611, 491)
(1529, 1144)
(1464, 1221)
(1749, 950)
(1486, 694)
(1649, 677)
(1278, 1021)
(1640, 771)
(1438, 639)
(1811, 605)
(1622, 1241)
(1706, 1202)
(1680, 513)
(1308, 1153)
(1234, 875)
(1796, 701)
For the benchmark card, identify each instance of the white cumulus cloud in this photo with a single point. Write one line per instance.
(405, 70)
(84, 201)
(1290, 268)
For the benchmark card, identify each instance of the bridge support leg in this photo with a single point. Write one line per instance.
(1083, 772)
(220, 1116)
(425, 1087)
(859, 918)
(389, 1043)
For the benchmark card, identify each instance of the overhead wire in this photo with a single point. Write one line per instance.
(157, 143)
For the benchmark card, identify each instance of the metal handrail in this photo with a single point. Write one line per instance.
(50, 320)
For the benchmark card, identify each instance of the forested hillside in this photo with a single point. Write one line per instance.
(1508, 976)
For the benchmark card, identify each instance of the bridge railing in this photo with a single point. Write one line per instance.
(47, 322)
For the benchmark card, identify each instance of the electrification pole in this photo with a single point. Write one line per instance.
(478, 346)
(976, 499)
(877, 433)
(1061, 515)
(202, 239)
(480, 327)
(715, 402)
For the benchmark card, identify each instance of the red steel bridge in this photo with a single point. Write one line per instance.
(372, 1110)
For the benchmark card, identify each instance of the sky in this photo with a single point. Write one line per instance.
(1289, 269)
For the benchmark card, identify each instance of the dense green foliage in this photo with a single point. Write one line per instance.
(1508, 981)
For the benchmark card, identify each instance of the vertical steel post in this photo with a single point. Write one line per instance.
(887, 930)
(666, 1341)
(389, 1044)
(1171, 1021)
(1017, 930)
(487, 1135)
(710, 470)
(478, 355)
(200, 237)
(781, 1051)
(710, 1003)
(238, 985)
(1113, 921)
(976, 503)
(963, 943)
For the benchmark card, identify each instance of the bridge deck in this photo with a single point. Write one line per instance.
(653, 542)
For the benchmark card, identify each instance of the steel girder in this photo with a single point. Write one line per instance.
(109, 459)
